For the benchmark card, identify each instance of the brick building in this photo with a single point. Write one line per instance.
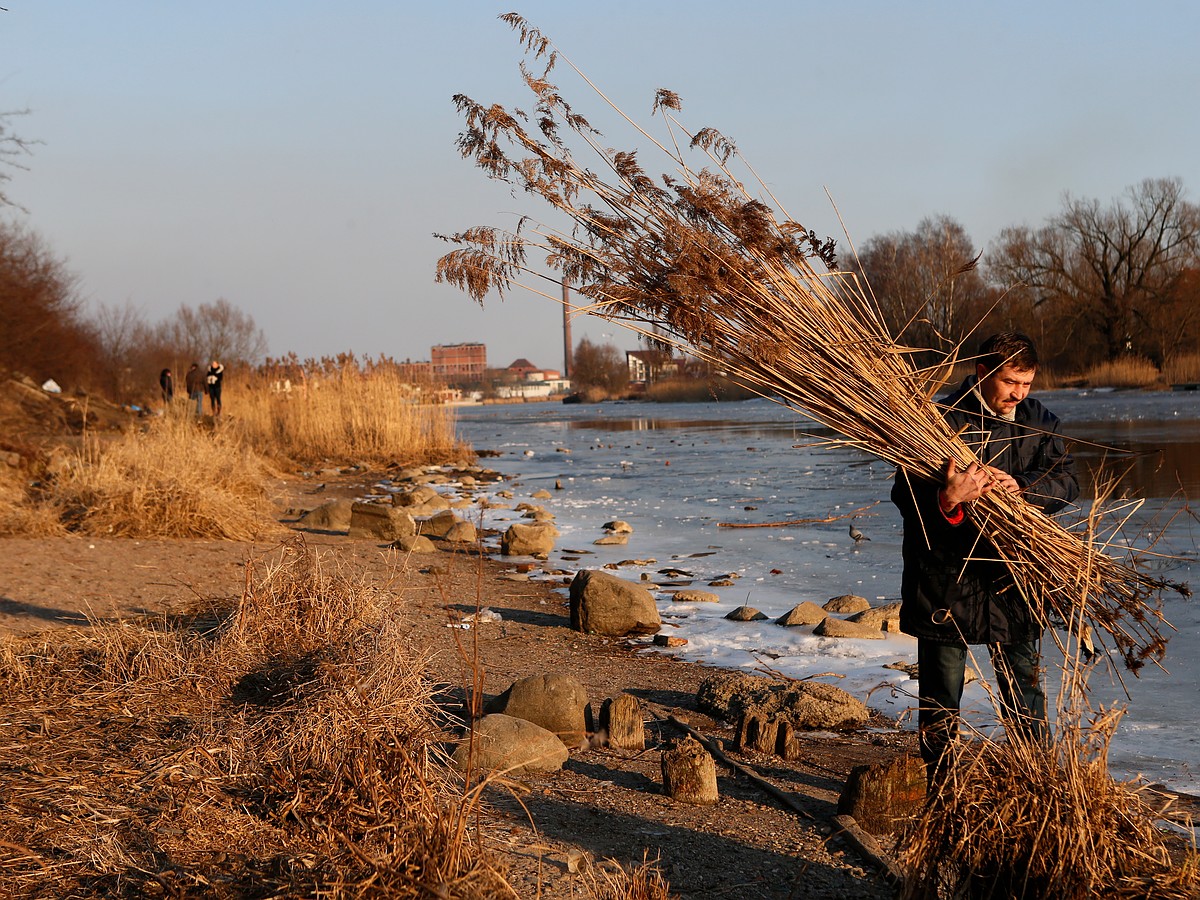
(465, 361)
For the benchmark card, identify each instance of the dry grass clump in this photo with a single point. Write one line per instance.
(609, 880)
(697, 390)
(1182, 369)
(1024, 819)
(344, 410)
(174, 479)
(694, 260)
(20, 513)
(288, 749)
(1130, 372)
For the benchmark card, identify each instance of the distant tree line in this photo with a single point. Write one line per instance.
(1094, 283)
(47, 332)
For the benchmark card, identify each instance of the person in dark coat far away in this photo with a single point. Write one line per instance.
(194, 381)
(166, 382)
(949, 603)
(212, 380)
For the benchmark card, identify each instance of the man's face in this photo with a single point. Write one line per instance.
(1005, 387)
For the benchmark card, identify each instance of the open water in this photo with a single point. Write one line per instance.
(684, 474)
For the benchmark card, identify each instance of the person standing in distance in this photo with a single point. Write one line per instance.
(194, 381)
(955, 592)
(212, 381)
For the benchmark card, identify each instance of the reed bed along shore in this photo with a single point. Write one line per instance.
(345, 412)
(172, 478)
(177, 476)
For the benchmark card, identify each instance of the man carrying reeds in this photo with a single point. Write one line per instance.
(955, 591)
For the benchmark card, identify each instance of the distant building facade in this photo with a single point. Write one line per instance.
(465, 361)
(647, 366)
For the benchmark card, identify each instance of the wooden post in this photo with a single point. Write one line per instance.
(689, 773)
(880, 797)
(621, 720)
(786, 745)
(757, 732)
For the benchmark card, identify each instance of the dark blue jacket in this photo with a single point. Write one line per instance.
(977, 602)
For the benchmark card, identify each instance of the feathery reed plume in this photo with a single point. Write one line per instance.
(692, 259)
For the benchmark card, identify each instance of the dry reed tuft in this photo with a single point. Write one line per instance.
(291, 747)
(1182, 369)
(20, 512)
(345, 410)
(609, 880)
(174, 479)
(1131, 372)
(1029, 819)
(692, 259)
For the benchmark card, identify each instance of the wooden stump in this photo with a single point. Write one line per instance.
(689, 773)
(879, 797)
(786, 745)
(621, 720)
(757, 732)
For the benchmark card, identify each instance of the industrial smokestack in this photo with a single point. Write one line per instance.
(566, 305)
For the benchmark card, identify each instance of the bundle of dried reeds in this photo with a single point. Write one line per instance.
(1024, 818)
(694, 260)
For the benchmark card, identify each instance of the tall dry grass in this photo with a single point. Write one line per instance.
(173, 479)
(20, 512)
(1128, 372)
(291, 747)
(1182, 369)
(1022, 818)
(347, 412)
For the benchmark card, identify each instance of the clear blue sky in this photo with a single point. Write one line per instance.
(296, 157)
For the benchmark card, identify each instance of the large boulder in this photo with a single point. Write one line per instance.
(885, 618)
(804, 704)
(528, 540)
(831, 626)
(331, 516)
(439, 525)
(382, 523)
(847, 603)
(556, 702)
(806, 613)
(605, 604)
(511, 746)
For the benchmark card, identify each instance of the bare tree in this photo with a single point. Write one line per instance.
(12, 148)
(1105, 278)
(42, 333)
(216, 330)
(926, 282)
(599, 365)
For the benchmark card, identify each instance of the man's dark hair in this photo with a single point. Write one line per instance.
(1008, 348)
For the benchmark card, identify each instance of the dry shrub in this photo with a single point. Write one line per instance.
(1130, 372)
(175, 479)
(1182, 369)
(290, 749)
(346, 412)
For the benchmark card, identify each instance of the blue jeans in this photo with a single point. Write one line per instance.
(941, 673)
(198, 396)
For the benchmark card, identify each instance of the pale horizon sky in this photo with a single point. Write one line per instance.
(296, 158)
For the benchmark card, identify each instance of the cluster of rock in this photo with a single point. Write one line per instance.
(864, 621)
(534, 724)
